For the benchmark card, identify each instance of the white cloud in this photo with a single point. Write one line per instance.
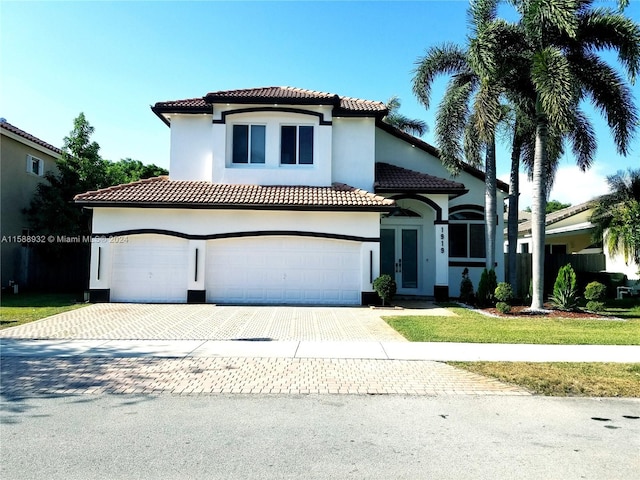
(571, 186)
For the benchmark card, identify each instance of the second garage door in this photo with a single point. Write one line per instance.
(283, 270)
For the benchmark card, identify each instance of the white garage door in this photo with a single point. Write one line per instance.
(272, 270)
(149, 268)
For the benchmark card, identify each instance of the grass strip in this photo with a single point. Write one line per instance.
(27, 307)
(472, 327)
(564, 379)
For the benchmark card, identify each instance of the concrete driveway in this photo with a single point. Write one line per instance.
(121, 321)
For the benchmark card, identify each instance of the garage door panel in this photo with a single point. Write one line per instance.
(283, 270)
(149, 268)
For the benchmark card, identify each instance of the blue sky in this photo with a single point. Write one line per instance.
(112, 60)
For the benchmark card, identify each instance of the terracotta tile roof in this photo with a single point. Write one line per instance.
(162, 192)
(268, 95)
(21, 133)
(390, 178)
(525, 227)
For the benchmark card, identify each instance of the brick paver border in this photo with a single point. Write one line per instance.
(205, 376)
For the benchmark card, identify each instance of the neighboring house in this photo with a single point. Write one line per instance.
(569, 231)
(284, 195)
(24, 159)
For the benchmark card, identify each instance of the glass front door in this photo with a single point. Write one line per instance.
(399, 257)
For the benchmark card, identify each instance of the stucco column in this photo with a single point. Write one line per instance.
(196, 271)
(100, 270)
(441, 288)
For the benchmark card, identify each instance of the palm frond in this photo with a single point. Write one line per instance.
(446, 59)
(555, 84)
(601, 29)
(583, 140)
(451, 119)
(409, 125)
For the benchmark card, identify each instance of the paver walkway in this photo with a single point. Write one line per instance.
(22, 376)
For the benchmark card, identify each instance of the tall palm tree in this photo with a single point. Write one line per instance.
(563, 38)
(470, 111)
(412, 126)
(616, 216)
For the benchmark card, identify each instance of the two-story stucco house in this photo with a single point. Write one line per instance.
(285, 195)
(24, 160)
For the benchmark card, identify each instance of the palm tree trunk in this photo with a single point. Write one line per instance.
(514, 201)
(538, 215)
(490, 205)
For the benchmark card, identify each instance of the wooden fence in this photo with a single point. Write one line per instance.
(593, 262)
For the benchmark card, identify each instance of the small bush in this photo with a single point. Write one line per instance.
(595, 306)
(385, 287)
(595, 291)
(486, 288)
(466, 288)
(564, 290)
(503, 292)
(503, 307)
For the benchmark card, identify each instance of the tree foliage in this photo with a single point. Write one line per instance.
(80, 169)
(560, 42)
(385, 287)
(552, 206)
(616, 216)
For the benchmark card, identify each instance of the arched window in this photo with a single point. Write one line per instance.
(467, 234)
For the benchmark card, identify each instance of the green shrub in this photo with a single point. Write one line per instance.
(595, 306)
(466, 288)
(486, 287)
(564, 289)
(595, 291)
(385, 287)
(503, 293)
(503, 307)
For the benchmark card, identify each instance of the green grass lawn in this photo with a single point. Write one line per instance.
(554, 379)
(564, 379)
(27, 307)
(472, 327)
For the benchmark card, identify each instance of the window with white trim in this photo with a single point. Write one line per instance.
(467, 235)
(296, 145)
(248, 144)
(35, 165)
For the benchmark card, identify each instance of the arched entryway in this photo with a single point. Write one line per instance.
(407, 246)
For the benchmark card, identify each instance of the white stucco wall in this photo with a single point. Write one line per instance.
(354, 152)
(210, 222)
(271, 172)
(191, 147)
(392, 150)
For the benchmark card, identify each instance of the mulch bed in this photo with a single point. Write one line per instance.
(519, 312)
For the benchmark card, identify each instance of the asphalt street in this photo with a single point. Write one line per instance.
(318, 436)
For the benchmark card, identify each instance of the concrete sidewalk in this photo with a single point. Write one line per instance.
(372, 350)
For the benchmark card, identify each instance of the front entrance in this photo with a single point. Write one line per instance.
(399, 254)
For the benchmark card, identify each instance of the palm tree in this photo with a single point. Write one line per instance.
(468, 115)
(563, 38)
(616, 216)
(408, 125)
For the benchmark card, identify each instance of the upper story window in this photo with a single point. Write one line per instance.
(35, 165)
(467, 235)
(248, 143)
(296, 145)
